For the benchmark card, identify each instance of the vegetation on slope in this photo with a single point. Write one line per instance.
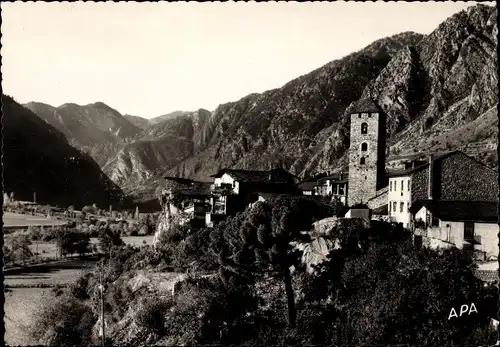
(376, 288)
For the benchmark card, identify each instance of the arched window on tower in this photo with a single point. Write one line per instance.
(362, 161)
(364, 128)
(364, 146)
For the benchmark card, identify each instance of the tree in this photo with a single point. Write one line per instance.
(19, 247)
(263, 243)
(109, 238)
(383, 290)
(71, 242)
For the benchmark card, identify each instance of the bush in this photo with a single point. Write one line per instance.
(151, 314)
(62, 321)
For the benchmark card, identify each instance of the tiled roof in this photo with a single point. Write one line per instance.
(382, 210)
(307, 185)
(336, 177)
(365, 105)
(201, 189)
(280, 175)
(487, 275)
(406, 172)
(477, 211)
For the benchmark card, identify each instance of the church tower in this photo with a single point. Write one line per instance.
(366, 153)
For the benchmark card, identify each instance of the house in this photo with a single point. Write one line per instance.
(234, 190)
(452, 176)
(186, 201)
(469, 225)
(333, 186)
(307, 187)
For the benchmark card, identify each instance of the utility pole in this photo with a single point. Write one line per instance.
(34, 197)
(102, 303)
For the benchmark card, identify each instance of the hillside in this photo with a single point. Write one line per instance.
(439, 92)
(141, 123)
(86, 126)
(37, 158)
(162, 145)
(168, 116)
(427, 85)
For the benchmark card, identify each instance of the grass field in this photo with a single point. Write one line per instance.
(17, 220)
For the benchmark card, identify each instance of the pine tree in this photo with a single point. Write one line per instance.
(263, 244)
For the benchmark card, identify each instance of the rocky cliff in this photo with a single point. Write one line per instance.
(158, 147)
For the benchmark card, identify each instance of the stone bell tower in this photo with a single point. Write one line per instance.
(366, 152)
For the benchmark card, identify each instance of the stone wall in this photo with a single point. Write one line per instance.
(365, 179)
(419, 183)
(456, 177)
(463, 178)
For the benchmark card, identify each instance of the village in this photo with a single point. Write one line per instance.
(250, 174)
(445, 199)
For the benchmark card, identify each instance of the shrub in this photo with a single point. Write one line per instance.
(151, 314)
(62, 321)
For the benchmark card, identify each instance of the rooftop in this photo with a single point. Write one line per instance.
(406, 172)
(308, 185)
(277, 175)
(459, 211)
(381, 211)
(366, 105)
(339, 177)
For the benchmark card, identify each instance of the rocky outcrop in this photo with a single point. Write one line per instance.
(435, 89)
(159, 147)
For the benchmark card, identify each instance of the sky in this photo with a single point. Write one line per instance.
(149, 59)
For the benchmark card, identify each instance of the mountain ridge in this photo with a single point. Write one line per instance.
(38, 158)
(428, 85)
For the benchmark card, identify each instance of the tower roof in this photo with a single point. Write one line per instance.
(365, 105)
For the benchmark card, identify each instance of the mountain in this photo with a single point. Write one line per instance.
(38, 158)
(168, 116)
(141, 123)
(430, 87)
(283, 126)
(439, 94)
(159, 146)
(86, 126)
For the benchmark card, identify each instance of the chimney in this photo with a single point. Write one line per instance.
(430, 187)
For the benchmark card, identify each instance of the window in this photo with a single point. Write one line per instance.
(394, 206)
(408, 185)
(434, 221)
(402, 188)
(364, 147)
(390, 186)
(362, 161)
(401, 207)
(364, 128)
(468, 230)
